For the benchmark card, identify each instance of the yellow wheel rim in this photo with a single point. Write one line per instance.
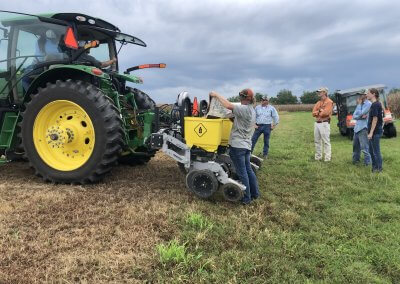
(63, 135)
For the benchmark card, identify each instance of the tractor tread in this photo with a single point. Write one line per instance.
(112, 131)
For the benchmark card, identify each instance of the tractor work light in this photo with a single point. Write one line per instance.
(97, 71)
(81, 18)
(91, 21)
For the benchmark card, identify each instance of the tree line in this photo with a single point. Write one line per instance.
(286, 97)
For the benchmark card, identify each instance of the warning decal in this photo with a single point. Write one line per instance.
(200, 130)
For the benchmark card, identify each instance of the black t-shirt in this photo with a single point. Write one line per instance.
(89, 59)
(376, 111)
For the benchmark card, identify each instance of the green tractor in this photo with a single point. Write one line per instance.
(63, 104)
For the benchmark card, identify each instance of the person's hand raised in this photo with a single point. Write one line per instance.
(213, 94)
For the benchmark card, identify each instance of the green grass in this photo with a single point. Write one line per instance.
(315, 221)
(172, 253)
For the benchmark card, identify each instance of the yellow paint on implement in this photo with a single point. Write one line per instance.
(63, 135)
(207, 133)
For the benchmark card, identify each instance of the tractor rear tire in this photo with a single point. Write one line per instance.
(71, 133)
(390, 131)
(143, 100)
(350, 133)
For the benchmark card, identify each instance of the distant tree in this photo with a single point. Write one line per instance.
(394, 91)
(258, 97)
(285, 97)
(234, 99)
(273, 100)
(332, 97)
(309, 97)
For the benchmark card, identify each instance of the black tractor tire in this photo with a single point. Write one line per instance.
(343, 131)
(390, 131)
(143, 100)
(106, 122)
(350, 133)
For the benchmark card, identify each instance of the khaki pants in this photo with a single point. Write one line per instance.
(322, 132)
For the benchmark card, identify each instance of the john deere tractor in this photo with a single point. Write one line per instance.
(64, 106)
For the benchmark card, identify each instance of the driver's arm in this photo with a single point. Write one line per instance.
(107, 63)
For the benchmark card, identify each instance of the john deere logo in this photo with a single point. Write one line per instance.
(200, 130)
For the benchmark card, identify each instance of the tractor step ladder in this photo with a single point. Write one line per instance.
(7, 132)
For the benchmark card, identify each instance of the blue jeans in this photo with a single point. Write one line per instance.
(361, 144)
(241, 160)
(375, 150)
(266, 129)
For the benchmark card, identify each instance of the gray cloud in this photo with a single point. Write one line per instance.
(266, 45)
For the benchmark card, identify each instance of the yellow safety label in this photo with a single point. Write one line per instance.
(200, 129)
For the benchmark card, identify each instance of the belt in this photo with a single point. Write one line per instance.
(329, 121)
(261, 124)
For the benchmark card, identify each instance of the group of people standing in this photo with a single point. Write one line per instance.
(367, 131)
(250, 123)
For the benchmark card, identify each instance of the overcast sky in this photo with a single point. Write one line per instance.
(265, 45)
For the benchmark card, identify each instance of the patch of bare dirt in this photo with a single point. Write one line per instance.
(105, 232)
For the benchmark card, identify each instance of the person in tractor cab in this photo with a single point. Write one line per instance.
(240, 140)
(87, 58)
(360, 139)
(322, 112)
(46, 49)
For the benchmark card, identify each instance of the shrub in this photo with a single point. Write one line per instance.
(394, 104)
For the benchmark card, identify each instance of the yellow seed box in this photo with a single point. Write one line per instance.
(207, 133)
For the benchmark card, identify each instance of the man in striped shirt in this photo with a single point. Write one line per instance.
(266, 119)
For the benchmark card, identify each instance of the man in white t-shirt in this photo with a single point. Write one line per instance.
(240, 140)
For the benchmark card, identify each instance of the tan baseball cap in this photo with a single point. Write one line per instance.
(323, 89)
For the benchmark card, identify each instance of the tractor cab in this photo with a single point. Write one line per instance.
(346, 101)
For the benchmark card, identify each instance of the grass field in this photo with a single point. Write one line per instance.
(315, 222)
